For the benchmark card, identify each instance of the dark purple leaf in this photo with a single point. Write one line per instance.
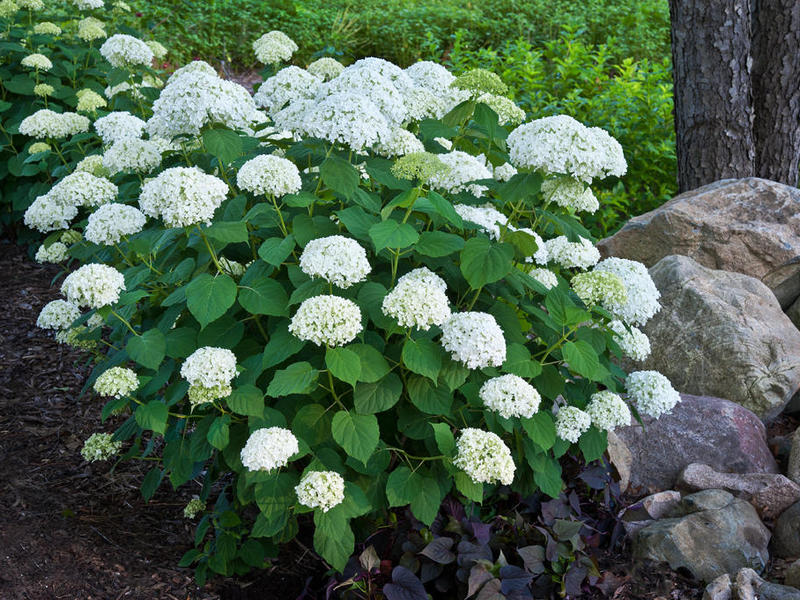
(482, 532)
(533, 558)
(429, 572)
(405, 586)
(490, 591)
(478, 576)
(514, 579)
(470, 553)
(439, 550)
(573, 579)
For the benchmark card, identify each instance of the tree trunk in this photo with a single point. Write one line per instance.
(776, 89)
(711, 43)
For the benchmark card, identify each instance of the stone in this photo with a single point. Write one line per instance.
(769, 493)
(709, 533)
(714, 431)
(750, 226)
(793, 467)
(642, 512)
(723, 334)
(747, 585)
(786, 533)
(791, 576)
(622, 459)
(793, 312)
(719, 589)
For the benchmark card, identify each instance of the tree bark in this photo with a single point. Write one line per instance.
(711, 52)
(776, 89)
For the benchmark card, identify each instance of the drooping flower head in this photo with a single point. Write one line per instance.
(47, 214)
(633, 343)
(54, 253)
(608, 411)
(570, 194)
(57, 315)
(100, 446)
(209, 371)
(651, 392)
(643, 295)
(116, 382)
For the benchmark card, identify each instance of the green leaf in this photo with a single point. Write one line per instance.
(428, 397)
(225, 144)
(444, 438)
(445, 209)
(370, 398)
(333, 538)
(228, 232)
(147, 349)
(246, 400)
(218, 433)
(546, 474)
(438, 244)
(470, 489)
(275, 494)
(180, 342)
(400, 486)
(276, 250)
(541, 429)
(424, 357)
(340, 176)
(151, 482)
(357, 434)
(582, 359)
(485, 262)
(563, 310)
(281, 346)
(297, 378)
(153, 416)
(520, 187)
(519, 362)
(392, 234)
(593, 443)
(312, 424)
(409, 487)
(208, 298)
(343, 364)
(373, 365)
(357, 221)
(263, 296)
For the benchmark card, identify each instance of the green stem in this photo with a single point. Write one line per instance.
(210, 250)
(124, 320)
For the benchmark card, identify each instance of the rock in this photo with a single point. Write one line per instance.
(769, 493)
(643, 512)
(714, 431)
(723, 334)
(750, 226)
(786, 533)
(710, 533)
(622, 459)
(719, 589)
(791, 576)
(793, 312)
(793, 468)
(747, 585)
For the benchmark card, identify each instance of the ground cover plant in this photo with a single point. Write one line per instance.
(361, 289)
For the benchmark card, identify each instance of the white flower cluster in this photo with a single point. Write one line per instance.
(652, 393)
(507, 110)
(599, 287)
(54, 253)
(89, 101)
(580, 255)
(122, 50)
(269, 448)
(327, 320)
(545, 276)
(325, 68)
(634, 343)
(561, 145)
(463, 169)
(92, 164)
(209, 371)
(45, 28)
(336, 259)
(608, 411)
(157, 48)
(46, 123)
(100, 446)
(570, 194)
(474, 339)
(87, 4)
(346, 118)
(504, 172)
(274, 47)
(418, 300)
(118, 125)
(288, 84)
(83, 189)
(486, 217)
(90, 29)
(93, 285)
(116, 382)
(643, 295)
(131, 154)
(193, 508)
(399, 143)
(269, 175)
(111, 222)
(484, 457)
(58, 315)
(571, 423)
(320, 489)
(46, 214)
(37, 61)
(510, 396)
(182, 196)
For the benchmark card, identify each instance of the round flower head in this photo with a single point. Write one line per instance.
(83, 189)
(118, 125)
(325, 68)
(480, 81)
(8, 8)
(608, 411)
(274, 47)
(484, 457)
(158, 49)
(93, 286)
(474, 339)
(643, 295)
(209, 372)
(54, 253)
(111, 222)
(336, 259)
(504, 172)
(571, 423)
(38, 147)
(268, 449)
(651, 392)
(399, 143)
(48, 214)
(45, 123)
(70, 237)
(58, 315)
(75, 337)
(463, 169)
(419, 166)
(132, 154)
(431, 76)
(90, 29)
(580, 255)
(43, 90)
(123, 50)
(182, 196)
(37, 61)
(634, 343)
(92, 164)
(570, 194)
(346, 118)
(508, 112)
(288, 84)
(545, 276)
(194, 508)
(599, 287)
(510, 396)
(30, 4)
(116, 382)
(560, 145)
(269, 175)
(418, 300)
(46, 28)
(486, 217)
(100, 446)
(87, 4)
(320, 489)
(89, 101)
(327, 320)
(371, 84)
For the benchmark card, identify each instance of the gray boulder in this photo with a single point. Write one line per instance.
(723, 334)
(747, 585)
(710, 533)
(786, 533)
(750, 225)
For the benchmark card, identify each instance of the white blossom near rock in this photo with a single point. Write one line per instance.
(57, 315)
(336, 259)
(634, 343)
(608, 411)
(100, 446)
(269, 175)
(268, 449)
(182, 196)
(83, 189)
(122, 50)
(93, 285)
(484, 457)
(54, 253)
(571, 423)
(327, 320)
(111, 222)
(418, 300)
(116, 382)
(320, 489)
(463, 169)
(643, 295)
(651, 392)
(486, 217)
(131, 154)
(274, 47)
(474, 339)
(510, 396)
(599, 287)
(570, 194)
(572, 255)
(47, 124)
